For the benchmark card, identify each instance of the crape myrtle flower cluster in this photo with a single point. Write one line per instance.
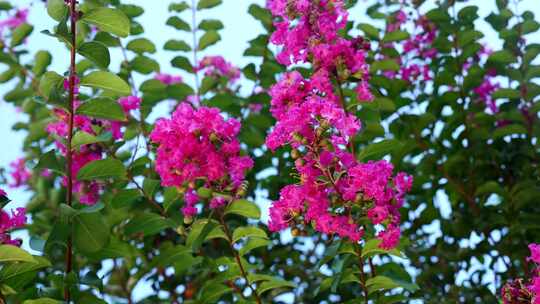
(334, 190)
(521, 291)
(9, 221)
(89, 192)
(198, 147)
(217, 66)
(308, 32)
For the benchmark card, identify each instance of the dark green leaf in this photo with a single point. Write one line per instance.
(104, 168)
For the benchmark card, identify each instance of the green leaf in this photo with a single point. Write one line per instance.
(502, 56)
(209, 38)
(384, 65)
(90, 232)
(261, 14)
(82, 138)
(211, 25)
(10, 253)
(13, 270)
(20, 33)
(395, 36)
(106, 81)
(147, 224)
(242, 232)
(177, 45)
(274, 284)
(178, 7)
(125, 197)
(108, 20)
(203, 230)
(370, 31)
(103, 108)
(96, 52)
(244, 208)
(103, 168)
(49, 160)
(42, 301)
(57, 9)
(252, 243)
(141, 45)
(377, 150)
(42, 60)
(371, 248)
(211, 293)
(506, 93)
(509, 130)
(178, 24)
(380, 283)
(205, 4)
(48, 82)
(183, 63)
(144, 65)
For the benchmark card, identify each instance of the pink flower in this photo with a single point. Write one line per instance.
(168, 79)
(535, 253)
(389, 237)
(15, 21)
(190, 199)
(216, 66)
(129, 103)
(19, 173)
(217, 202)
(8, 222)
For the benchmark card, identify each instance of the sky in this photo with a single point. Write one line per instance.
(240, 27)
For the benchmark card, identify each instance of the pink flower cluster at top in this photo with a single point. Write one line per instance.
(308, 31)
(19, 173)
(168, 79)
(216, 66)
(199, 145)
(88, 191)
(8, 222)
(310, 117)
(418, 50)
(521, 290)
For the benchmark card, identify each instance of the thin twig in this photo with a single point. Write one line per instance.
(69, 151)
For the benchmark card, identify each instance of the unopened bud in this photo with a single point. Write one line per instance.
(188, 220)
(295, 232)
(295, 154)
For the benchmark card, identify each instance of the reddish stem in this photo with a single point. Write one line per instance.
(69, 153)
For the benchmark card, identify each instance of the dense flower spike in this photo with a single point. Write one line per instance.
(311, 118)
(521, 291)
(199, 145)
(308, 32)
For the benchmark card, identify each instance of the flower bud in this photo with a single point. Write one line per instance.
(295, 232)
(295, 154)
(188, 220)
